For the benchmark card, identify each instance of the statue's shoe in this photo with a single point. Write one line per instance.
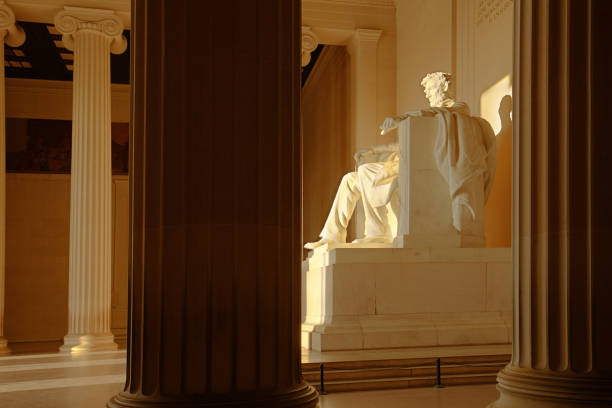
(321, 242)
(373, 240)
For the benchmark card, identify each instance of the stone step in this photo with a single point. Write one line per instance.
(343, 376)
(405, 382)
(363, 374)
(407, 362)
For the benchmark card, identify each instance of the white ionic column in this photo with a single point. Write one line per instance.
(363, 51)
(13, 35)
(310, 42)
(92, 34)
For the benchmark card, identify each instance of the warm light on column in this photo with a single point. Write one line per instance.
(92, 34)
(12, 35)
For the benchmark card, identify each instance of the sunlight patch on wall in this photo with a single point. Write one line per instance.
(490, 100)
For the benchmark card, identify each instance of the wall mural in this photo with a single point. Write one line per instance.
(44, 146)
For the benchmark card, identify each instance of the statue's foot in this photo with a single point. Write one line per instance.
(321, 242)
(373, 240)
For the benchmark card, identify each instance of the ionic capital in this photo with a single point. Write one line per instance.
(13, 34)
(72, 19)
(310, 42)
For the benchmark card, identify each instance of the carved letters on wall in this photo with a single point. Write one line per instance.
(489, 10)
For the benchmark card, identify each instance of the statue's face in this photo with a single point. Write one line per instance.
(434, 93)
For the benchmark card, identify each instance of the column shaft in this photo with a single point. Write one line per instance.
(562, 223)
(92, 34)
(3, 343)
(90, 194)
(14, 36)
(363, 51)
(215, 206)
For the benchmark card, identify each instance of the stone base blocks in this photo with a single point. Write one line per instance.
(374, 298)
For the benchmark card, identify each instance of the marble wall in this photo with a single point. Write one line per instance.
(38, 221)
(325, 134)
(484, 39)
(37, 232)
(425, 43)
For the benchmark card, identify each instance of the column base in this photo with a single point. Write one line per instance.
(529, 388)
(303, 396)
(74, 343)
(4, 349)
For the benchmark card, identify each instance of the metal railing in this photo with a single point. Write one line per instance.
(438, 372)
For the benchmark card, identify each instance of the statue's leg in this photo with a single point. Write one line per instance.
(376, 222)
(348, 194)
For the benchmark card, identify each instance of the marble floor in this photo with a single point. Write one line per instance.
(467, 396)
(58, 380)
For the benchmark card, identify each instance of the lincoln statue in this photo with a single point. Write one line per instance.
(464, 153)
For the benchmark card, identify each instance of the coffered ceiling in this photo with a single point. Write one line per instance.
(43, 56)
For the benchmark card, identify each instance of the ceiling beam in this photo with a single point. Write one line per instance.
(44, 11)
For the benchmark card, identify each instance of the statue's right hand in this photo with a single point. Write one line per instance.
(388, 125)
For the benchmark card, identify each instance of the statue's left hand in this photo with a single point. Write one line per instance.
(388, 125)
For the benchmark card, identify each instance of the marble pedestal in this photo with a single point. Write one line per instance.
(372, 298)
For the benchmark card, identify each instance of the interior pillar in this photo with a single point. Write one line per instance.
(562, 199)
(363, 48)
(14, 36)
(215, 190)
(363, 51)
(92, 34)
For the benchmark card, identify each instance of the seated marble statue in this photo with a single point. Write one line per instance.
(464, 151)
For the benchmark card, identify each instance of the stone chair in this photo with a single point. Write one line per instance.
(420, 211)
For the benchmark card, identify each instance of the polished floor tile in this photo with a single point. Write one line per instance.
(96, 396)
(65, 397)
(471, 396)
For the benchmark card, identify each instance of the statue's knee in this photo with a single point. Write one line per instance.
(349, 177)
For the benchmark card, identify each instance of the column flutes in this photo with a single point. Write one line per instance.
(92, 35)
(562, 228)
(215, 183)
(12, 35)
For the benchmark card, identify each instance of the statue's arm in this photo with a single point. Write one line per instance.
(373, 153)
(391, 123)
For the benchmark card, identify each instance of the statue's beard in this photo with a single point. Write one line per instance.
(441, 100)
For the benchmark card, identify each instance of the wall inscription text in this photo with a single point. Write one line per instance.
(490, 10)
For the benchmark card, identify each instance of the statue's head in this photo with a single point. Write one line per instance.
(438, 89)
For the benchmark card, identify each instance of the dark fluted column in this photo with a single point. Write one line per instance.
(215, 206)
(562, 355)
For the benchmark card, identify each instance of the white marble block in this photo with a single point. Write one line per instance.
(374, 298)
(425, 211)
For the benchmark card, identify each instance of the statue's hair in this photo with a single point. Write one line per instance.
(441, 79)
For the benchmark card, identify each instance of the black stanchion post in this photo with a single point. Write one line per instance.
(322, 382)
(438, 375)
